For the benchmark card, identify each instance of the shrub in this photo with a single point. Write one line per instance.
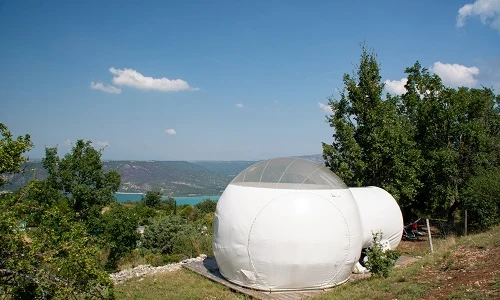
(174, 238)
(482, 200)
(207, 206)
(119, 233)
(380, 262)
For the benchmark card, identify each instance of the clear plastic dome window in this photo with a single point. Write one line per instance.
(289, 173)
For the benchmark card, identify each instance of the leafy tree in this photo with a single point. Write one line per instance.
(457, 133)
(206, 206)
(152, 198)
(372, 142)
(169, 205)
(11, 153)
(44, 252)
(482, 201)
(117, 228)
(79, 176)
(189, 213)
(56, 259)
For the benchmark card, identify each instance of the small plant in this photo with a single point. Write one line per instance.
(380, 262)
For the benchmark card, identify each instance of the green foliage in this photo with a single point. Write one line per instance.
(169, 205)
(423, 147)
(81, 179)
(188, 212)
(117, 229)
(458, 134)
(159, 235)
(372, 143)
(482, 200)
(54, 259)
(11, 153)
(152, 199)
(173, 235)
(144, 213)
(206, 206)
(380, 263)
(45, 252)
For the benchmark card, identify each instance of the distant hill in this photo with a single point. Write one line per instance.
(179, 178)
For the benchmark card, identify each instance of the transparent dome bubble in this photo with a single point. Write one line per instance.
(289, 173)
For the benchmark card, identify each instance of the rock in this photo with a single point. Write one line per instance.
(144, 270)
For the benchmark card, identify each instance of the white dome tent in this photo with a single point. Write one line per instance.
(288, 224)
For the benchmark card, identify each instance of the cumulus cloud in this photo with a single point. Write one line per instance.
(105, 88)
(240, 105)
(456, 75)
(170, 131)
(100, 144)
(396, 87)
(488, 12)
(326, 108)
(134, 79)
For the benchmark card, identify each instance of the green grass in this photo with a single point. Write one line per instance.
(408, 282)
(182, 284)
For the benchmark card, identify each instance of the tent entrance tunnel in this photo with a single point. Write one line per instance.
(291, 224)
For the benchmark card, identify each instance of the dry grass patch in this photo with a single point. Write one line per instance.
(182, 284)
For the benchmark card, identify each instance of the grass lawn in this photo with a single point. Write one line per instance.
(460, 268)
(182, 284)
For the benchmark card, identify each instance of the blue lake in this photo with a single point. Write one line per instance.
(135, 197)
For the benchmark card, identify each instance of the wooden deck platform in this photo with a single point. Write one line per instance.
(209, 269)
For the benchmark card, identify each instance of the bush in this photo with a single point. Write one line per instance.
(207, 206)
(175, 238)
(482, 200)
(152, 198)
(117, 230)
(380, 263)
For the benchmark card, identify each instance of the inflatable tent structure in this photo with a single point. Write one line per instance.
(291, 224)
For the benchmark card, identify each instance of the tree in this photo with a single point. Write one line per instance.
(206, 206)
(117, 229)
(11, 153)
(457, 133)
(372, 142)
(81, 179)
(482, 201)
(44, 252)
(152, 198)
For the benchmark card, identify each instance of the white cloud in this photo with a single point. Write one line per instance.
(240, 105)
(396, 87)
(100, 144)
(488, 12)
(105, 88)
(170, 131)
(132, 78)
(326, 108)
(68, 143)
(456, 75)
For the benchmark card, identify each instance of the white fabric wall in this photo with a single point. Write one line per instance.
(279, 239)
(378, 211)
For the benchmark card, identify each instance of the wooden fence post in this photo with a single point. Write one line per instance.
(465, 229)
(429, 235)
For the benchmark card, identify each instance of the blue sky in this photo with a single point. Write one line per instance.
(219, 80)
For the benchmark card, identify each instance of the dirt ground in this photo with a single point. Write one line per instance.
(465, 273)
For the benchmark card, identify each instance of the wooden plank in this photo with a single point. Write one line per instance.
(209, 269)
